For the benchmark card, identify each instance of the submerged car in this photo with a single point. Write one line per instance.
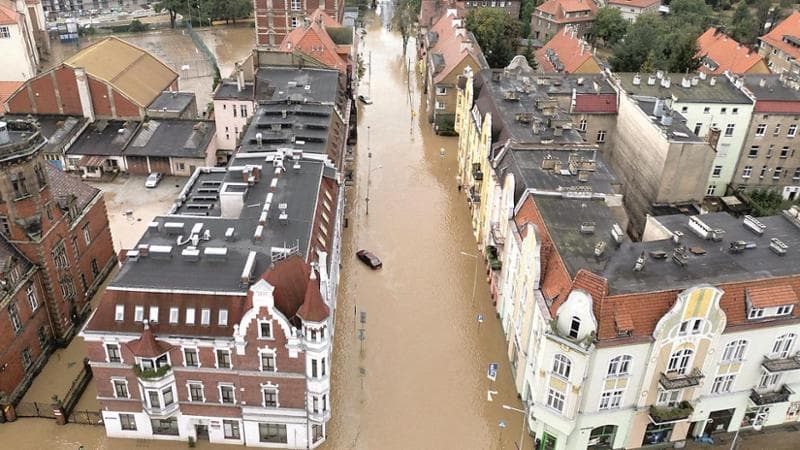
(365, 99)
(369, 259)
(153, 179)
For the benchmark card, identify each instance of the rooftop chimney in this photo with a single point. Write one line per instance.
(712, 81)
(651, 80)
(713, 137)
(239, 77)
(637, 80)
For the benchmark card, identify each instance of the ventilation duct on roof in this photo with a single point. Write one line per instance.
(754, 225)
(778, 246)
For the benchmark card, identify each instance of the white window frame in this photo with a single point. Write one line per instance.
(601, 136)
(189, 316)
(205, 317)
(769, 380)
(729, 129)
(30, 293)
(562, 366)
(196, 351)
(138, 313)
(153, 316)
(222, 317)
(755, 313)
(5, 32)
(119, 313)
(734, 351)
(174, 315)
(114, 381)
(556, 400)
(723, 383)
(761, 129)
(271, 330)
(270, 387)
(619, 366)
(202, 391)
(784, 310)
(119, 352)
(747, 171)
(216, 357)
(611, 399)
(668, 397)
(682, 359)
(791, 131)
(267, 352)
(219, 392)
(783, 345)
(87, 235)
(238, 429)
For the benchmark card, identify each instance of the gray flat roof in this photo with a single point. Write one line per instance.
(564, 84)
(300, 126)
(718, 265)
(723, 90)
(306, 84)
(104, 137)
(230, 90)
(175, 138)
(173, 101)
(297, 189)
(774, 88)
(526, 165)
(676, 131)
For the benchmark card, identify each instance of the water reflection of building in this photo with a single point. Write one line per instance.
(55, 250)
(617, 343)
(219, 325)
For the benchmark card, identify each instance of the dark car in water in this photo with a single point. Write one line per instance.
(369, 259)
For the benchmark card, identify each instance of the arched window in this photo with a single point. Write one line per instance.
(574, 327)
(734, 351)
(679, 361)
(619, 366)
(783, 345)
(562, 366)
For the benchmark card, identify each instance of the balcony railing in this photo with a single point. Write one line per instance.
(672, 381)
(153, 374)
(768, 398)
(493, 257)
(781, 364)
(664, 414)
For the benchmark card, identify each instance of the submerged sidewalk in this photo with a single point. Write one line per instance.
(782, 437)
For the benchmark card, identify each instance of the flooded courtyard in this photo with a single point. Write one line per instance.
(230, 44)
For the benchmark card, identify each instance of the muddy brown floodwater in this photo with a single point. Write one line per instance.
(425, 384)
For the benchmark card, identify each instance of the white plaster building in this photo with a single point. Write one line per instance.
(19, 31)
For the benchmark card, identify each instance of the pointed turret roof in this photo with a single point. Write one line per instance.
(147, 345)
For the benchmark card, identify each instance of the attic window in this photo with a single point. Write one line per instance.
(574, 327)
(772, 301)
(119, 313)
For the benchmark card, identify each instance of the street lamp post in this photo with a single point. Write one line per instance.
(524, 417)
(475, 275)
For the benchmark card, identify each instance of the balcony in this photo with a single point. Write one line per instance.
(671, 381)
(497, 235)
(768, 398)
(781, 364)
(473, 195)
(477, 174)
(666, 414)
(493, 257)
(153, 374)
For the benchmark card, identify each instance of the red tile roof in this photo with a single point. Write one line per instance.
(147, 346)
(772, 296)
(8, 16)
(623, 322)
(726, 53)
(292, 281)
(314, 308)
(314, 41)
(571, 51)
(596, 103)
(6, 89)
(451, 35)
(635, 3)
(559, 8)
(789, 27)
(777, 106)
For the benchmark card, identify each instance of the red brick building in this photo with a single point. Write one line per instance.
(56, 248)
(277, 18)
(103, 81)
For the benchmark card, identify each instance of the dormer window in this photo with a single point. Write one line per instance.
(574, 327)
(784, 310)
(773, 301)
(755, 313)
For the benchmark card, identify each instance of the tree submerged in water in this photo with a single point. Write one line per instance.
(404, 20)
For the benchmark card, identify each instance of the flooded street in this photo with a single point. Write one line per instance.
(230, 44)
(425, 385)
(420, 381)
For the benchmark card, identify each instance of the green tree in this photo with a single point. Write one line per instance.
(173, 7)
(690, 12)
(609, 25)
(404, 20)
(497, 34)
(652, 43)
(525, 13)
(744, 26)
(639, 44)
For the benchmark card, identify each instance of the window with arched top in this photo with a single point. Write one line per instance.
(783, 346)
(734, 351)
(619, 366)
(574, 327)
(680, 361)
(562, 366)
